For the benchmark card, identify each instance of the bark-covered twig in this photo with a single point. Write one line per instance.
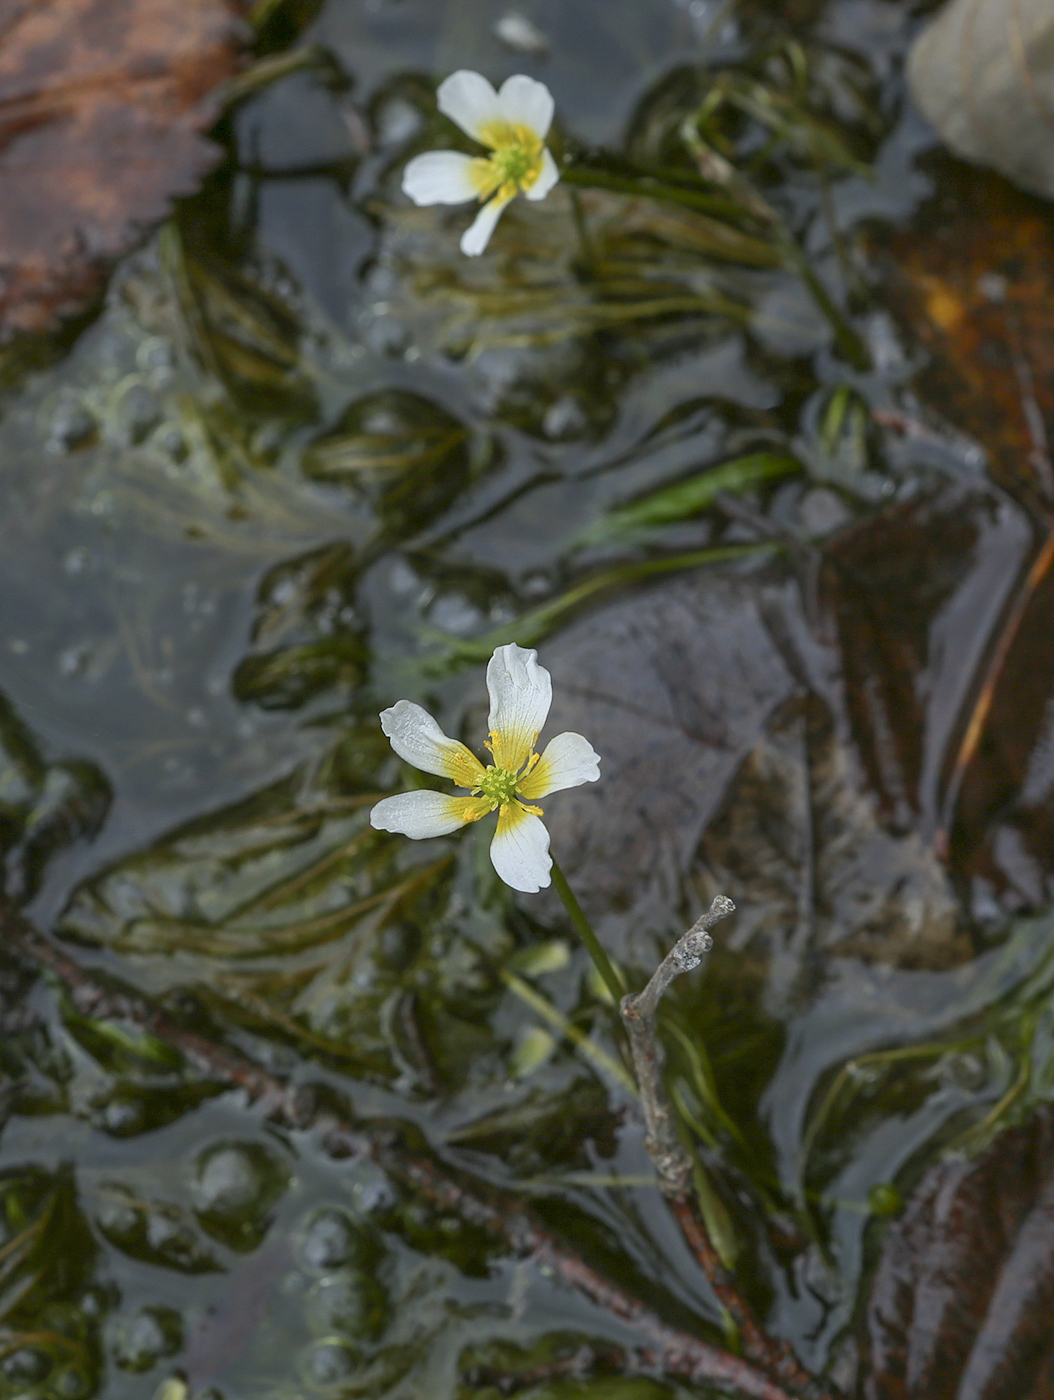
(661, 1349)
(673, 1162)
(663, 1141)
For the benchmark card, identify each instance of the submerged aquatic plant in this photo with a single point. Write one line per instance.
(521, 692)
(513, 122)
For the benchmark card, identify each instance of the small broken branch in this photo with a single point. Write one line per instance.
(673, 1161)
(671, 1158)
(661, 1349)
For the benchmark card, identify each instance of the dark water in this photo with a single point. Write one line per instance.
(302, 456)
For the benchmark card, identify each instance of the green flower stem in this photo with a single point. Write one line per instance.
(612, 978)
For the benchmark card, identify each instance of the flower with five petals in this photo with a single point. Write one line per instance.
(521, 692)
(513, 123)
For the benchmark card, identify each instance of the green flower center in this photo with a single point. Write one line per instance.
(515, 162)
(499, 785)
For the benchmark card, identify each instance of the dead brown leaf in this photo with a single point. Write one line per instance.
(103, 109)
(725, 768)
(974, 277)
(960, 1306)
(926, 596)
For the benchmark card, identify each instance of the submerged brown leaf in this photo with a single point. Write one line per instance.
(960, 1306)
(973, 279)
(916, 592)
(103, 106)
(726, 768)
(947, 657)
(951, 700)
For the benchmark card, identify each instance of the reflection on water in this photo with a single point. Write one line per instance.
(303, 458)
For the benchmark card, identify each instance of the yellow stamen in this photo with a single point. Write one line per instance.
(515, 164)
(470, 809)
(463, 767)
(512, 750)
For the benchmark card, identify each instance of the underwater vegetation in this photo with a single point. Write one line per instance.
(736, 432)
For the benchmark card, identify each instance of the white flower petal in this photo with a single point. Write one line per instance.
(468, 99)
(477, 235)
(568, 761)
(521, 692)
(547, 177)
(440, 177)
(526, 102)
(520, 849)
(423, 814)
(415, 736)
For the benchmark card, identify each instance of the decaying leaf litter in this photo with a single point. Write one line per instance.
(307, 460)
(106, 110)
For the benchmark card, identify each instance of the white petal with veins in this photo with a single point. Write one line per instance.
(568, 761)
(520, 849)
(415, 736)
(547, 177)
(423, 814)
(468, 99)
(440, 177)
(521, 692)
(477, 235)
(526, 102)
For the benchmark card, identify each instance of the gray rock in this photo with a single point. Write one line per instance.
(983, 74)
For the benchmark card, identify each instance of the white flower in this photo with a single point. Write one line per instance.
(521, 692)
(514, 124)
